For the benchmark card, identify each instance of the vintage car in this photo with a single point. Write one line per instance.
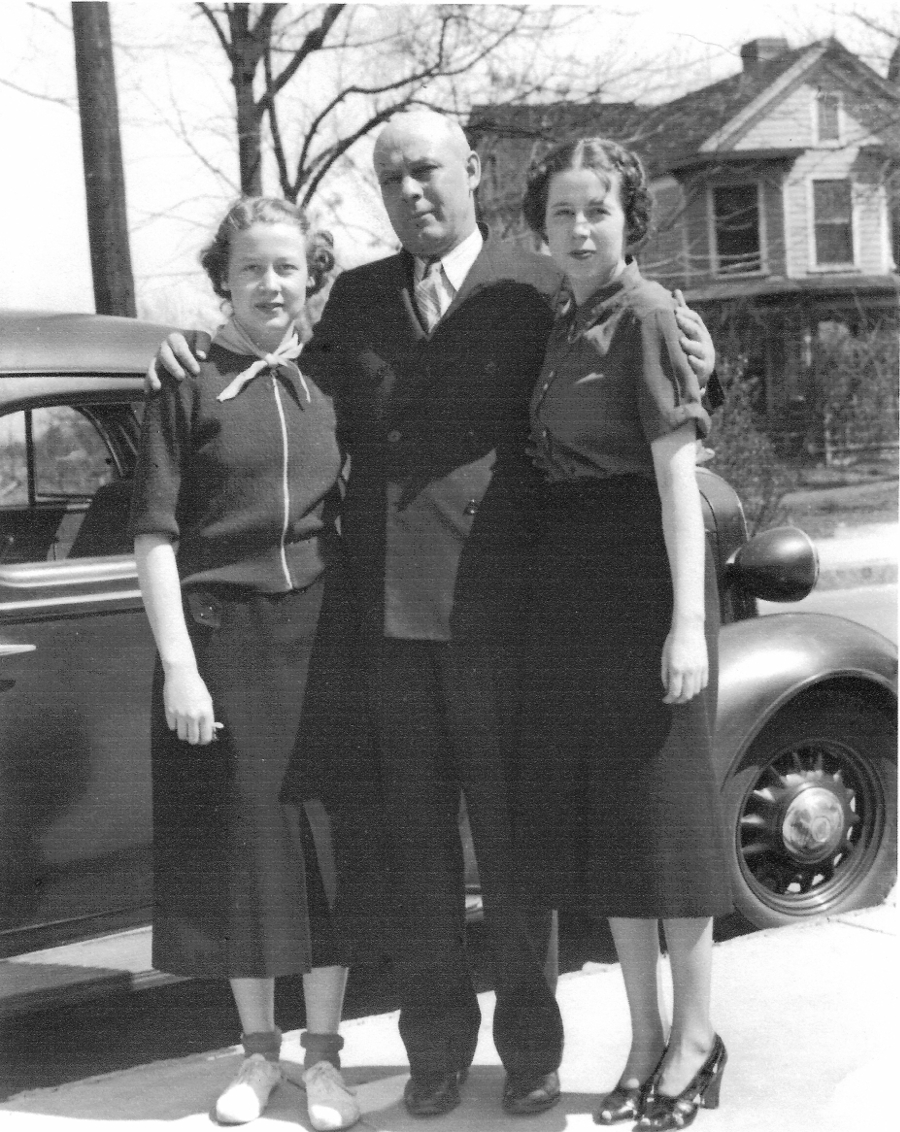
(806, 735)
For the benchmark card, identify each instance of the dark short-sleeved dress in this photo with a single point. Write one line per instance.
(616, 806)
(246, 487)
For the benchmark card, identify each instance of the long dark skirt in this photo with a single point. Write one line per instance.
(616, 806)
(237, 885)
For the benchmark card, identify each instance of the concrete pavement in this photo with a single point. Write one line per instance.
(808, 1014)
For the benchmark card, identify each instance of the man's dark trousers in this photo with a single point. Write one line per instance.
(434, 530)
(434, 705)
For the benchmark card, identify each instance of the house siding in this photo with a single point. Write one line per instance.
(683, 255)
(696, 230)
(871, 250)
(773, 223)
(870, 207)
(792, 123)
(786, 124)
(664, 256)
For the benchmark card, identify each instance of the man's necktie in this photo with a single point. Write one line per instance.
(427, 295)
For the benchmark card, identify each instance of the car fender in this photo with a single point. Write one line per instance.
(767, 662)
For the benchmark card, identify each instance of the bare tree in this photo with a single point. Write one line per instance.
(884, 55)
(311, 85)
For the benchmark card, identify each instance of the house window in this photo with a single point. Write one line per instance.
(737, 229)
(833, 222)
(828, 109)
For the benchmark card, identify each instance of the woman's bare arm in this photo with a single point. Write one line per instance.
(188, 704)
(685, 665)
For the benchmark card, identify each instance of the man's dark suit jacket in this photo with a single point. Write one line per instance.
(439, 491)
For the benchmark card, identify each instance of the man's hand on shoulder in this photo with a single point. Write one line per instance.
(696, 343)
(176, 358)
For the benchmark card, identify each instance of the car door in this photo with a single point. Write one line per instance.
(76, 658)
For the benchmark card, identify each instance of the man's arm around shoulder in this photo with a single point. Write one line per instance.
(178, 356)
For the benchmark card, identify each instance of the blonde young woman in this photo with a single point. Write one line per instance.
(234, 520)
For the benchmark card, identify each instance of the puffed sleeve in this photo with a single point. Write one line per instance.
(165, 440)
(669, 393)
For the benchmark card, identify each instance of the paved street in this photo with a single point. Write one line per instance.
(874, 606)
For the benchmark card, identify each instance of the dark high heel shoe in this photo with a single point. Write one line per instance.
(625, 1103)
(662, 1112)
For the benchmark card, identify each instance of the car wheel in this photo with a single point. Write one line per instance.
(811, 814)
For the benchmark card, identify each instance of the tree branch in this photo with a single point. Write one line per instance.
(36, 94)
(275, 130)
(312, 43)
(220, 35)
(334, 153)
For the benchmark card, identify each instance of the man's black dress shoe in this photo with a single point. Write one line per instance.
(432, 1094)
(523, 1096)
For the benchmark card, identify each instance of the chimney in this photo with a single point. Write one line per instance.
(761, 51)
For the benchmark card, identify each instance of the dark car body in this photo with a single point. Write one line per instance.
(75, 647)
(806, 747)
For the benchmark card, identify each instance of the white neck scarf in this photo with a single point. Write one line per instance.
(232, 336)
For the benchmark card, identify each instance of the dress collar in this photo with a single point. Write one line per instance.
(573, 319)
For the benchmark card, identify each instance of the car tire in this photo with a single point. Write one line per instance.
(811, 814)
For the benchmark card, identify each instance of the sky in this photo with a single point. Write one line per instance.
(174, 100)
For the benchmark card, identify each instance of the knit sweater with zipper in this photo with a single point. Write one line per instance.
(247, 487)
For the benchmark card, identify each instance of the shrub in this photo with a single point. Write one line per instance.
(857, 378)
(744, 454)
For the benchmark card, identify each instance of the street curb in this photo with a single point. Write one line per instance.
(847, 577)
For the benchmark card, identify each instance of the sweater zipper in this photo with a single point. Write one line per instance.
(284, 483)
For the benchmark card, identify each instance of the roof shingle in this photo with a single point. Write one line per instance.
(662, 135)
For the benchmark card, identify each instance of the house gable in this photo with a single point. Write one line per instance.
(758, 128)
(813, 149)
(783, 114)
(760, 109)
(777, 195)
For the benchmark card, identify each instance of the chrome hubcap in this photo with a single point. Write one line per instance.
(803, 822)
(814, 823)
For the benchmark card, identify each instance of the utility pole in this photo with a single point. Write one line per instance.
(104, 178)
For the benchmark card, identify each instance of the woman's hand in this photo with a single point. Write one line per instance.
(685, 665)
(186, 699)
(175, 357)
(696, 343)
(188, 704)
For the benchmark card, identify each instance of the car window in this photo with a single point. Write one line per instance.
(71, 459)
(13, 466)
(65, 481)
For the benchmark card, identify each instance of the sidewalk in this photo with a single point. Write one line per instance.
(808, 1014)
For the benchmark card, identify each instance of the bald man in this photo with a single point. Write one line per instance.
(431, 355)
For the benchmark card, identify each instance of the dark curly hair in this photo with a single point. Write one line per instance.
(246, 212)
(603, 157)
